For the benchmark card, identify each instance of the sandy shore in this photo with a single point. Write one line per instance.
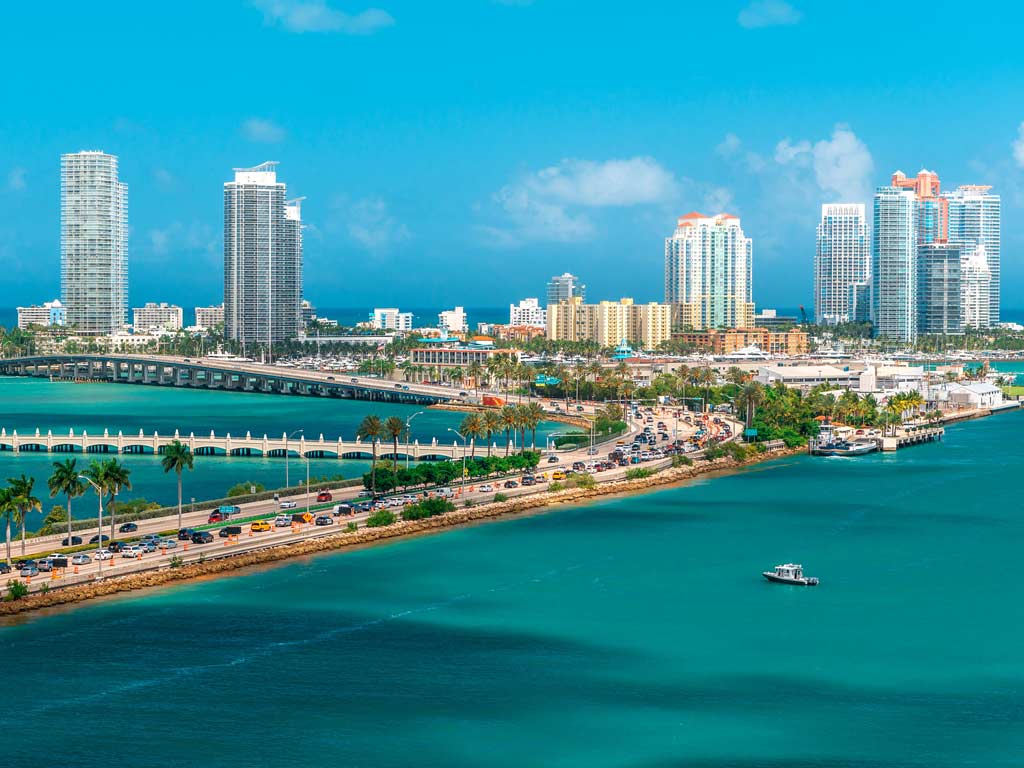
(369, 536)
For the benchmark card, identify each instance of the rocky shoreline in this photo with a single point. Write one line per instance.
(369, 536)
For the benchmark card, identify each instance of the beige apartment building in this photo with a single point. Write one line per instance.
(610, 322)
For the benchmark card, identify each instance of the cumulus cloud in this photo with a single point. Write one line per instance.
(16, 179)
(317, 16)
(262, 131)
(369, 221)
(842, 164)
(768, 13)
(1018, 146)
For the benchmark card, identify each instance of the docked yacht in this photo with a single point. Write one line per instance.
(830, 443)
(790, 573)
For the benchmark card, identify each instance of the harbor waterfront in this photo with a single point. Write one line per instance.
(630, 631)
(30, 404)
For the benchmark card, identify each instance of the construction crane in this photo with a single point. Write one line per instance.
(803, 315)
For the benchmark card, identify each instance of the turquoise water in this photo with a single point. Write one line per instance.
(631, 632)
(30, 404)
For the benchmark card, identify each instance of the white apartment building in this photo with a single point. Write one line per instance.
(262, 258)
(528, 312)
(894, 305)
(209, 317)
(390, 319)
(976, 289)
(842, 261)
(50, 313)
(156, 316)
(974, 225)
(453, 320)
(708, 261)
(93, 242)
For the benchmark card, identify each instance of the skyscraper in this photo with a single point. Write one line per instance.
(564, 287)
(974, 225)
(93, 242)
(262, 258)
(894, 264)
(708, 263)
(939, 289)
(841, 262)
(976, 290)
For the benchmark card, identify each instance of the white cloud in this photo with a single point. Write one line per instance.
(718, 200)
(842, 164)
(318, 16)
(263, 131)
(729, 146)
(768, 13)
(16, 179)
(551, 204)
(369, 222)
(1018, 146)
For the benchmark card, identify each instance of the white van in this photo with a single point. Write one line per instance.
(445, 493)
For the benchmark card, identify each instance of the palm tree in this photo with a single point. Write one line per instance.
(96, 472)
(475, 371)
(706, 378)
(508, 423)
(177, 457)
(533, 415)
(393, 427)
(371, 427)
(492, 426)
(118, 479)
(64, 480)
(472, 428)
(24, 502)
(751, 396)
(7, 509)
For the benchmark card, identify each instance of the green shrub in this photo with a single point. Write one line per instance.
(681, 461)
(176, 561)
(638, 473)
(44, 588)
(380, 518)
(584, 481)
(243, 489)
(739, 452)
(427, 508)
(500, 497)
(16, 590)
(556, 486)
(468, 503)
(713, 452)
(351, 527)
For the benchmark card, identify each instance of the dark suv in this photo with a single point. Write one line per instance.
(202, 537)
(185, 534)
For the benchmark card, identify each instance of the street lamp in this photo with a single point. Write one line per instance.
(408, 436)
(463, 455)
(99, 518)
(287, 483)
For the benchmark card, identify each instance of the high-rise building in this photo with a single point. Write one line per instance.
(262, 258)
(93, 242)
(894, 264)
(974, 225)
(208, 317)
(708, 273)
(976, 290)
(609, 323)
(50, 313)
(390, 319)
(528, 313)
(841, 261)
(564, 287)
(453, 320)
(939, 289)
(162, 315)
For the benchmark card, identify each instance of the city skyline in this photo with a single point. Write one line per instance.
(540, 163)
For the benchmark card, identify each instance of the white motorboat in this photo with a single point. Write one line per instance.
(790, 573)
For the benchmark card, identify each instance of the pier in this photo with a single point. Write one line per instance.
(233, 376)
(910, 436)
(226, 445)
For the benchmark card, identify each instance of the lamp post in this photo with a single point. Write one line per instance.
(408, 436)
(307, 482)
(287, 483)
(99, 518)
(463, 456)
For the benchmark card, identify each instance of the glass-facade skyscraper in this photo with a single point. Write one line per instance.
(939, 289)
(93, 242)
(262, 258)
(974, 225)
(841, 262)
(564, 287)
(894, 264)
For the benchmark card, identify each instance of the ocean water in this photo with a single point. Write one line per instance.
(30, 404)
(634, 631)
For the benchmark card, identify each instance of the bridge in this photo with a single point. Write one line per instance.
(229, 375)
(226, 445)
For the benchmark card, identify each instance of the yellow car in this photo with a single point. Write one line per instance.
(558, 475)
(259, 526)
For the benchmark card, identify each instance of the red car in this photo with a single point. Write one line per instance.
(324, 496)
(215, 517)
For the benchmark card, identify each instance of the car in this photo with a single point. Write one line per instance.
(216, 517)
(288, 505)
(463, 394)
(511, 484)
(44, 565)
(330, 378)
(4, 568)
(99, 538)
(558, 475)
(202, 537)
(103, 554)
(354, 381)
(552, 459)
(29, 571)
(528, 480)
(73, 542)
(148, 545)
(168, 543)
(343, 509)
(81, 559)
(230, 530)
(324, 496)
(486, 488)
(578, 465)
(282, 521)
(185, 534)
(132, 551)
(151, 537)
(398, 386)
(302, 518)
(259, 526)
(116, 546)
(325, 520)
(128, 528)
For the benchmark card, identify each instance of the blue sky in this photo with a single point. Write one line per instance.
(463, 151)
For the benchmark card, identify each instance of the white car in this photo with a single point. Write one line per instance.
(288, 505)
(282, 522)
(132, 552)
(103, 554)
(486, 488)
